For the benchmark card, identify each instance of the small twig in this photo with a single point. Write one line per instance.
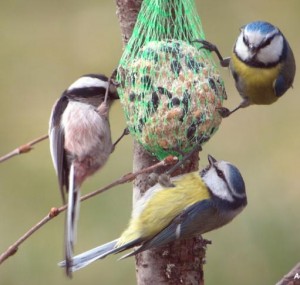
(14, 247)
(23, 148)
(11, 250)
(169, 160)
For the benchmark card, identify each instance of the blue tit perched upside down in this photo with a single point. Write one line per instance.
(262, 64)
(196, 203)
(80, 142)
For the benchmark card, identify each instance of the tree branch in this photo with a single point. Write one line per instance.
(127, 11)
(184, 259)
(23, 148)
(54, 212)
(291, 278)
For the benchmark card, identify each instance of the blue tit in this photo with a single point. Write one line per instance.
(193, 204)
(262, 64)
(80, 142)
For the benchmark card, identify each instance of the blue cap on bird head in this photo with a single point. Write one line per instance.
(236, 179)
(262, 27)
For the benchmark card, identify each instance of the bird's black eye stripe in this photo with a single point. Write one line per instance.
(267, 41)
(220, 173)
(86, 92)
(245, 40)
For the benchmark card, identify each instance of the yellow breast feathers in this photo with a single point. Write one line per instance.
(164, 205)
(254, 83)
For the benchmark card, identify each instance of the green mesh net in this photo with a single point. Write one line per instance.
(170, 88)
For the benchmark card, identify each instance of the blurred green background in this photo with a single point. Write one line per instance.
(45, 46)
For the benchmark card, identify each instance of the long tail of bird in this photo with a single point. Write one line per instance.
(84, 259)
(87, 257)
(71, 220)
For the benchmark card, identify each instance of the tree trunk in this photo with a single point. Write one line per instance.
(179, 262)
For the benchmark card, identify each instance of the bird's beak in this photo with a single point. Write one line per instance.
(253, 49)
(211, 160)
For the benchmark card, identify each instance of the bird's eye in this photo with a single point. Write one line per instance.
(268, 41)
(245, 40)
(220, 173)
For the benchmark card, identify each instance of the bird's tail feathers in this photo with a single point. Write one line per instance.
(71, 219)
(84, 259)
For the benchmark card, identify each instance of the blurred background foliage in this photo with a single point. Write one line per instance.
(45, 46)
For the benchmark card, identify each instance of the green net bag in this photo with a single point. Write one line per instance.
(170, 88)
